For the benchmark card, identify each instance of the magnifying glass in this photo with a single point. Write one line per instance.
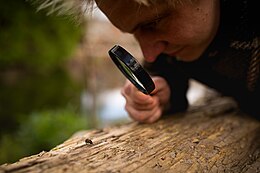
(132, 69)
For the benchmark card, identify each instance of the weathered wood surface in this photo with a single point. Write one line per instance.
(212, 138)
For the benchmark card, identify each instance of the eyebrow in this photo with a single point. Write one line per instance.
(147, 21)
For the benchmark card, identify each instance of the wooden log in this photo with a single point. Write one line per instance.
(210, 138)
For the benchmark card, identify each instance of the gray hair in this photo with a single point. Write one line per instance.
(77, 8)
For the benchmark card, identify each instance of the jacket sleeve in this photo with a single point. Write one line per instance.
(178, 82)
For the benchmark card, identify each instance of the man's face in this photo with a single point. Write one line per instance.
(183, 31)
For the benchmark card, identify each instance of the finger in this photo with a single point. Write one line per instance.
(126, 90)
(141, 115)
(160, 83)
(141, 98)
(133, 95)
(143, 106)
(162, 89)
(155, 116)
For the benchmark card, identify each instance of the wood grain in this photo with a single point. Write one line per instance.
(215, 137)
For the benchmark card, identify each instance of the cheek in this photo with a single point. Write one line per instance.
(179, 34)
(189, 32)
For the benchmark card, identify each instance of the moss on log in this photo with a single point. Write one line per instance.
(212, 138)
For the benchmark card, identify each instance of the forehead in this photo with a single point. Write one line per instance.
(126, 14)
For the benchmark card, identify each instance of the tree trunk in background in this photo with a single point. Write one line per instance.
(210, 138)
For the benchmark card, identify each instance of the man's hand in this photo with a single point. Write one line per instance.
(146, 108)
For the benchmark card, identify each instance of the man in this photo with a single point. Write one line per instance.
(215, 42)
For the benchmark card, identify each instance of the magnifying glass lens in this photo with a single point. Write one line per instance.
(130, 73)
(132, 69)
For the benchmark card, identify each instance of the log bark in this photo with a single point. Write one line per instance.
(212, 138)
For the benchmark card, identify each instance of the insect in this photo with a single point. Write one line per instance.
(88, 141)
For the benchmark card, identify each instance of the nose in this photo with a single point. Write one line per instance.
(151, 45)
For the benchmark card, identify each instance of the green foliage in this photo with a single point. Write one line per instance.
(41, 131)
(34, 47)
(33, 81)
(10, 149)
(35, 91)
(33, 39)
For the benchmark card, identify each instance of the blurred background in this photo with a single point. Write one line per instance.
(56, 78)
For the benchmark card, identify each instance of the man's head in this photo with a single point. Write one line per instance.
(180, 29)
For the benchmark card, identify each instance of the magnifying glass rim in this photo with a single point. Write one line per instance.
(118, 53)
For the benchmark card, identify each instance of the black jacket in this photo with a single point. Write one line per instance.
(230, 64)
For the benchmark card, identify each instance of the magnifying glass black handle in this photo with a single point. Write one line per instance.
(132, 69)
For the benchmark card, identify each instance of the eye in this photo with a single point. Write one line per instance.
(156, 23)
(152, 25)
